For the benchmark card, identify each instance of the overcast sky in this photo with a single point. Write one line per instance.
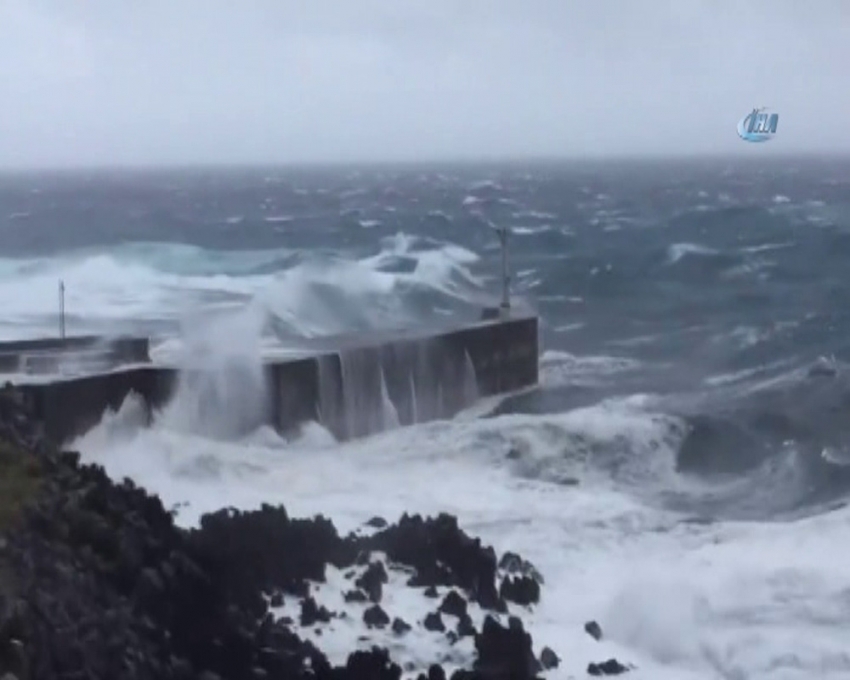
(93, 82)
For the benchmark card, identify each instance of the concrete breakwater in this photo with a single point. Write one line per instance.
(353, 385)
(83, 352)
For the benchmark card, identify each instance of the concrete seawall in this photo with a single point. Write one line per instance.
(44, 355)
(353, 385)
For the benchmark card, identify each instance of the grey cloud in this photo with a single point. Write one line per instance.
(199, 81)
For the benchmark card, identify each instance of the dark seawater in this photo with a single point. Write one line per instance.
(717, 291)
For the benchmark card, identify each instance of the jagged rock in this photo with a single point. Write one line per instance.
(436, 672)
(312, 613)
(274, 551)
(375, 616)
(548, 659)
(400, 626)
(434, 622)
(523, 590)
(512, 563)
(454, 558)
(465, 627)
(431, 591)
(371, 581)
(505, 650)
(375, 665)
(593, 629)
(453, 603)
(106, 586)
(610, 667)
(355, 596)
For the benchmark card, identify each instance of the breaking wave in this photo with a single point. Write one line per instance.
(150, 287)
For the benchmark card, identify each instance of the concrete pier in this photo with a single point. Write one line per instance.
(92, 352)
(354, 385)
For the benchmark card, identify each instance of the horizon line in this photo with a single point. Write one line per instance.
(468, 161)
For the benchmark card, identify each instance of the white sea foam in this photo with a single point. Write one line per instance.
(677, 251)
(559, 368)
(528, 231)
(162, 283)
(678, 600)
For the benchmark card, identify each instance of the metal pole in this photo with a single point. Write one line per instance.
(506, 277)
(61, 309)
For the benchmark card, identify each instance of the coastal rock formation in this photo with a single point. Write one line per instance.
(96, 581)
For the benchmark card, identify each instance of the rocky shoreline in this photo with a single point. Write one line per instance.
(97, 582)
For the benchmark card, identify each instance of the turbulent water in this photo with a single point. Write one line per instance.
(680, 475)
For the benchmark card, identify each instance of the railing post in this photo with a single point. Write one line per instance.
(61, 309)
(506, 277)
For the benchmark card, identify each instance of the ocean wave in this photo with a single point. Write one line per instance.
(310, 293)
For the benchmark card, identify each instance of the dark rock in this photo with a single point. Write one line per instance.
(400, 626)
(453, 603)
(355, 596)
(431, 591)
(512, 563)
(106, 586)
(505, 650)
(434, 622)
(454, 558)
(610, 667)
(312, 613)
(375, 617)
(377, 523)
(465, 627)
(593, 629)
(523, 590)
(375, 665)
(13, 659)
(372, 579)
(436, 672)
(548, 659)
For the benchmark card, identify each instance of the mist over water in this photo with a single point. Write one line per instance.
(222, 391)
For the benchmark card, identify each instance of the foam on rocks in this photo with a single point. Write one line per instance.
(96, 581)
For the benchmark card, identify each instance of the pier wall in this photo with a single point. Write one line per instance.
(47, 355)
(358, 387)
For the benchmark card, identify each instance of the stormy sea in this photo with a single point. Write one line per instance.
(680, 475)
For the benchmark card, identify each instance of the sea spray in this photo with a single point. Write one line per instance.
(222, 389)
